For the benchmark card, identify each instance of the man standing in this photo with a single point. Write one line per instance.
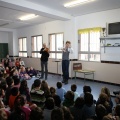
(65, 61)
(44, 61)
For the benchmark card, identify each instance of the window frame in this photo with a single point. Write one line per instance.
(36, 43)
(22, 46)
(55, 44)
(88, 52)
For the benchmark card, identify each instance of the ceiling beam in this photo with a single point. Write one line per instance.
(30, 7)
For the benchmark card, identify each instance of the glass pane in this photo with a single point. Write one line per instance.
(59, 55)
(34, 55)
(83, 57)
(39, 55)
(39, 43)
(20, 54)
(94, 57)
(52, 42)
(59, 41)
(20, 44)
(84, 42)
(24, 54)
(52, 55)
(95, 41)
(34, 44)
(24, 44)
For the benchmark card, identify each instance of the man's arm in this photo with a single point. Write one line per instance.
(70, 50)
(41, 51)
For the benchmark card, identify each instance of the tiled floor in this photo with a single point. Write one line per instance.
(95, 86)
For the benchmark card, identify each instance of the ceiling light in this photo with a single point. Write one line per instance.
(76, 2)
(28, 17)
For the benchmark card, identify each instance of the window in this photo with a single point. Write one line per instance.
(37, 42)
(56, 42)
(89, 44)
(23, 47)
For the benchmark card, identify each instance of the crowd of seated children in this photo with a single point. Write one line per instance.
(44, 102)
(16, 67)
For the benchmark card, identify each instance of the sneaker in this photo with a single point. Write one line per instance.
(63, 81)
(66, 82)
(116, 92)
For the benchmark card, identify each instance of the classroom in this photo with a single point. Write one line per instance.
(92, 27)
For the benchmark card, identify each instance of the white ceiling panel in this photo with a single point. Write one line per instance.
(95, 6)
(48, 10)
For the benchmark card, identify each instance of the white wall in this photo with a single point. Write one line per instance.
(48, 28)
(103, 71)
(9, 36)
(3, 37)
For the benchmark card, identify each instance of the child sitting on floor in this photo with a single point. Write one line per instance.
(31, 72)
(23, 74)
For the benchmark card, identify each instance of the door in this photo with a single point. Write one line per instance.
(3, 50)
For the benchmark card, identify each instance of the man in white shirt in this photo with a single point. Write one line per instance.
(65, 61)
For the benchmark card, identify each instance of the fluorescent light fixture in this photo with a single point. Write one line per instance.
(76, 2)
(28, 17)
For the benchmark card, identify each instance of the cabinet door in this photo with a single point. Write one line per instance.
(3, 50)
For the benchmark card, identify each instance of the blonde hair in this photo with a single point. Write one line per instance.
(106, 91)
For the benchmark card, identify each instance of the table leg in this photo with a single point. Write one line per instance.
(57, 67)
(84, 78)
(75, 76)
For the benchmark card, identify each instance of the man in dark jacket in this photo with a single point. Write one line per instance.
(44, 60)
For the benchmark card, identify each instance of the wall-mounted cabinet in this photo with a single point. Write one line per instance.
(110, 48)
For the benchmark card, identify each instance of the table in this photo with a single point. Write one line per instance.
(85, 72)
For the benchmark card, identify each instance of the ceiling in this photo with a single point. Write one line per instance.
(48, 10)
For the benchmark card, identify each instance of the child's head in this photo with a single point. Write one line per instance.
(52, 90)
(59, 85)
(23, 84)
(57, 114)
(44, 85)
(16, 80)
(88, 97)
(10, 81)
(20, 100)
(79, 102)
(101, 111)
(37, 83)
(69, 96)
(117, 110)
(86, 89)
(28, 69)
(31, 68)
(117, 99)
(50, 103)
(73, 87)
(14, 91)
(36, 114)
